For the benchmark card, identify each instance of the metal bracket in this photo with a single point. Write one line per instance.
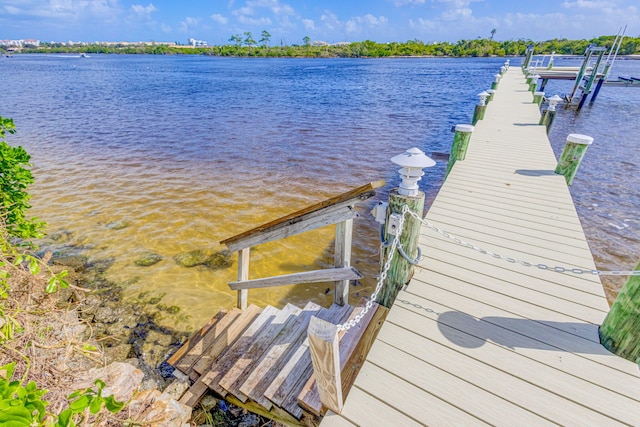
(393, 224)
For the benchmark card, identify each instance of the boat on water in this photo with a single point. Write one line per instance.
(84, 55)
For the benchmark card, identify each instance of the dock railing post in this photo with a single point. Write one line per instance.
(534, 83)
(342, 259)
(400, 270)
(572, 155)
(325, 357)
(550, 113)
(491, 92)
(496, 81)
(459, 146)
(243, 275)
(620, 331)
(481, 108)
(537, 98)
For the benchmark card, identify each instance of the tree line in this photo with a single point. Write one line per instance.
(245, 45)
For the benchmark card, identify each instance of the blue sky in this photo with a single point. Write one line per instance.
(288, 21)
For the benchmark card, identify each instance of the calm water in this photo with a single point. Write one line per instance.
(186, 151)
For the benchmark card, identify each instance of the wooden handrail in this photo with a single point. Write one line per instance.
(360, 193)
(335, 210)
(315, 276)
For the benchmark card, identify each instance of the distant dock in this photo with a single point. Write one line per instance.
(475, 340)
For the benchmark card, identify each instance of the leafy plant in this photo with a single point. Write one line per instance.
(15, 178)
(87, 400)
(19, 405)
(23, 406)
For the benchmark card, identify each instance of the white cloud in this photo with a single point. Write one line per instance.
(309, 24)
(166, 28)
(252, 8)
(357, 23)
(455, 14)
(219, 18)
(330, 21)
(189, 24)
(588, 4)
(254, 21)
(143, 11)
(401, 3)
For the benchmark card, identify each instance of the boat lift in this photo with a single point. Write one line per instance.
(588, 78)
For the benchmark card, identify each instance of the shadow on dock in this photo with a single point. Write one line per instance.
(469, 332)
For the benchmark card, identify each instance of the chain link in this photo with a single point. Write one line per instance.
(541, 266)
(383, 275)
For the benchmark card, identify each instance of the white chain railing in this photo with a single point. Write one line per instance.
(396, 245)
(556, 269)
(383, 275)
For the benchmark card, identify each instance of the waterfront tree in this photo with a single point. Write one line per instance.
(265, 38)
(236, 39)
(306, 41)
(248, 39)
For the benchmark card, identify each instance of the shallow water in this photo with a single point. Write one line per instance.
(171, 154)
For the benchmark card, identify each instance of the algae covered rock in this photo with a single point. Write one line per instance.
(76, 262)
(215, 261)
(118, 225)
(219, 260)
(147, 259)
(191, 258)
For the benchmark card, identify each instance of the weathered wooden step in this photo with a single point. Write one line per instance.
(226, 337)
(277, 356)
(226, 360)
(192, 350)
(286, 387)
(246, 361)
(354, 347)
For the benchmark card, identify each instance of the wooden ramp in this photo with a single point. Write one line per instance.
(476, 340)
(259, 358)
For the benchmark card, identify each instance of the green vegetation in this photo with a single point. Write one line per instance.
(245, 45)
(15, 178)
(26, 311)
(24, 406)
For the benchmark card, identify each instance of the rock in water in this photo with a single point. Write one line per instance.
(219, 260)
(147, 259)
(191, 259)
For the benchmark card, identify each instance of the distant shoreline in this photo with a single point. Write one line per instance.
(629, 49)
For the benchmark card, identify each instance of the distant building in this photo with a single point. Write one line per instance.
(197, 43)
(20, 43)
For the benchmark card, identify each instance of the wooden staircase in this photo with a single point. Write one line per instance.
(259, 358)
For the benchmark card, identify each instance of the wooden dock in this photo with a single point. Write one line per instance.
(476, 340)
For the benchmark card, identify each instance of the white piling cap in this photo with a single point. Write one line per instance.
(578, 138)
(464, 128)
(535, 77)
(555, 98)
(538, 93)
(490, 91)
(413, 158)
